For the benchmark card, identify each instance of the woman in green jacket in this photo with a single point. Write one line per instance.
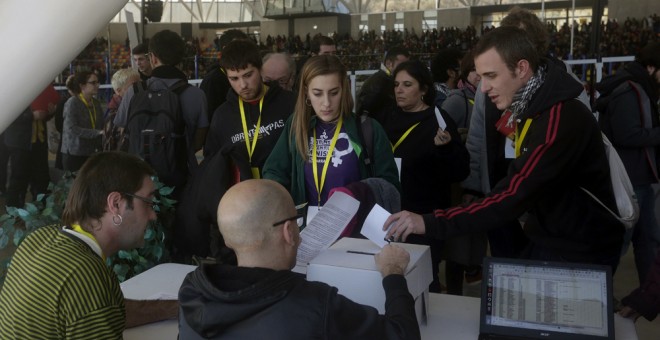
(325, 133)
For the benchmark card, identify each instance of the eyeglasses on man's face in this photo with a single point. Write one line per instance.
(152, 202)
(299, 218)
(94, 83)
(283, 82)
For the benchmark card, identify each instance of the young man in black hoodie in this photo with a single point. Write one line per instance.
(246, 126)
(215, 84)
(629, 118)
(559, 150)
(262, 298)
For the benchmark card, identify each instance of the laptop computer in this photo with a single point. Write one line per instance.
(528, 299)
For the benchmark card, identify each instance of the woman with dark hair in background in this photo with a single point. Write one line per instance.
(426, 141)
(83, 122)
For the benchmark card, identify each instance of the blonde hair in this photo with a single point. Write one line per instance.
(314, 67)
(123, 77)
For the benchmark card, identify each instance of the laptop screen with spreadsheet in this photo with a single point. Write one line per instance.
(546, 300)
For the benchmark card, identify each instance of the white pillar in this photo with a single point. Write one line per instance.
(40, 37)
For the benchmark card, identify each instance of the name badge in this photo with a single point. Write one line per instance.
(312, 210)
(509, 149)
(397, 160)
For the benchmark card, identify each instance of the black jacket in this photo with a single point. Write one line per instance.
(629, 118)
(226, 302)
(376, 95)
(19, 133)
(215, 85)
(562, 151)
(226, 130)
(427, 170)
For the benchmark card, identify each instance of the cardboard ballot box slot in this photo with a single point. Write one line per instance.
(349, 265)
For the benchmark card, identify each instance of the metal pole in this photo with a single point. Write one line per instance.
(109, 50)
(572, 29)
(543, 10)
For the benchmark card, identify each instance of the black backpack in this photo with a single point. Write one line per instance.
(156, 131)
(366, 135)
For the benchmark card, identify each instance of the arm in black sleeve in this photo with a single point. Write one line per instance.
(625, 114)
(452, 159)
(553, 152)
(349, 320)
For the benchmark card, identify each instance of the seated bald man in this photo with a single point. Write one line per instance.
(262, 298)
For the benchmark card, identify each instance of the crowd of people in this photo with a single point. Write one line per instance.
(494, 143)
(365, 51)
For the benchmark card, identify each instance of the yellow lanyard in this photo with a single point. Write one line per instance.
(328, 157)
(250, 150)
(528, 122)
(92, 118)
(403, 137)
(77, 228)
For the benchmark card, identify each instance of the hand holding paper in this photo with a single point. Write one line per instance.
(402, 224)
(373, 225)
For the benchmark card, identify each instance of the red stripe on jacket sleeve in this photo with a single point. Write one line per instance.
(517, 179)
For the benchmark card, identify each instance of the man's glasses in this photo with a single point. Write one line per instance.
(283, 82)
(93, 82)
(299, 220)
(150, 201)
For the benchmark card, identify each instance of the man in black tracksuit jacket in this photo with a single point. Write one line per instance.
(560, 151)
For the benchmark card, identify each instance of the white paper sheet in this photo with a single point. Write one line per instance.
(373, 225)
(397, 160)
(509, 149)
(441, 121)
(325, 227)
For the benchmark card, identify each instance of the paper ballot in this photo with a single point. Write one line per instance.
(325, 228)
(373, 225)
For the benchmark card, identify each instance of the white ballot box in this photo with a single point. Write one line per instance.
(349, 265)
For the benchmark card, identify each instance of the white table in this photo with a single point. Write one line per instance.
(450, 317)
(162, 279)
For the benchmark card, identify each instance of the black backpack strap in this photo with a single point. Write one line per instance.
(178, 89)
(366, 135)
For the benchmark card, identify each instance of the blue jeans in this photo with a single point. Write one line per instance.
(645, 236)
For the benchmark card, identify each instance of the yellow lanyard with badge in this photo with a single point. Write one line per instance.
(251, 148)
(328, 157)
(92, 116)
(523, 133)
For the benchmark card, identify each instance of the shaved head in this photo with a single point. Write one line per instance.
(246, 214)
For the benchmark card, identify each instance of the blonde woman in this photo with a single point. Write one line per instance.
(320, 148)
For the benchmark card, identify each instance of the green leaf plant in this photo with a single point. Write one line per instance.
(17, 223)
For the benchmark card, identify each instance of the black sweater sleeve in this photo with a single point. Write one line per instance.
(349, 320)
